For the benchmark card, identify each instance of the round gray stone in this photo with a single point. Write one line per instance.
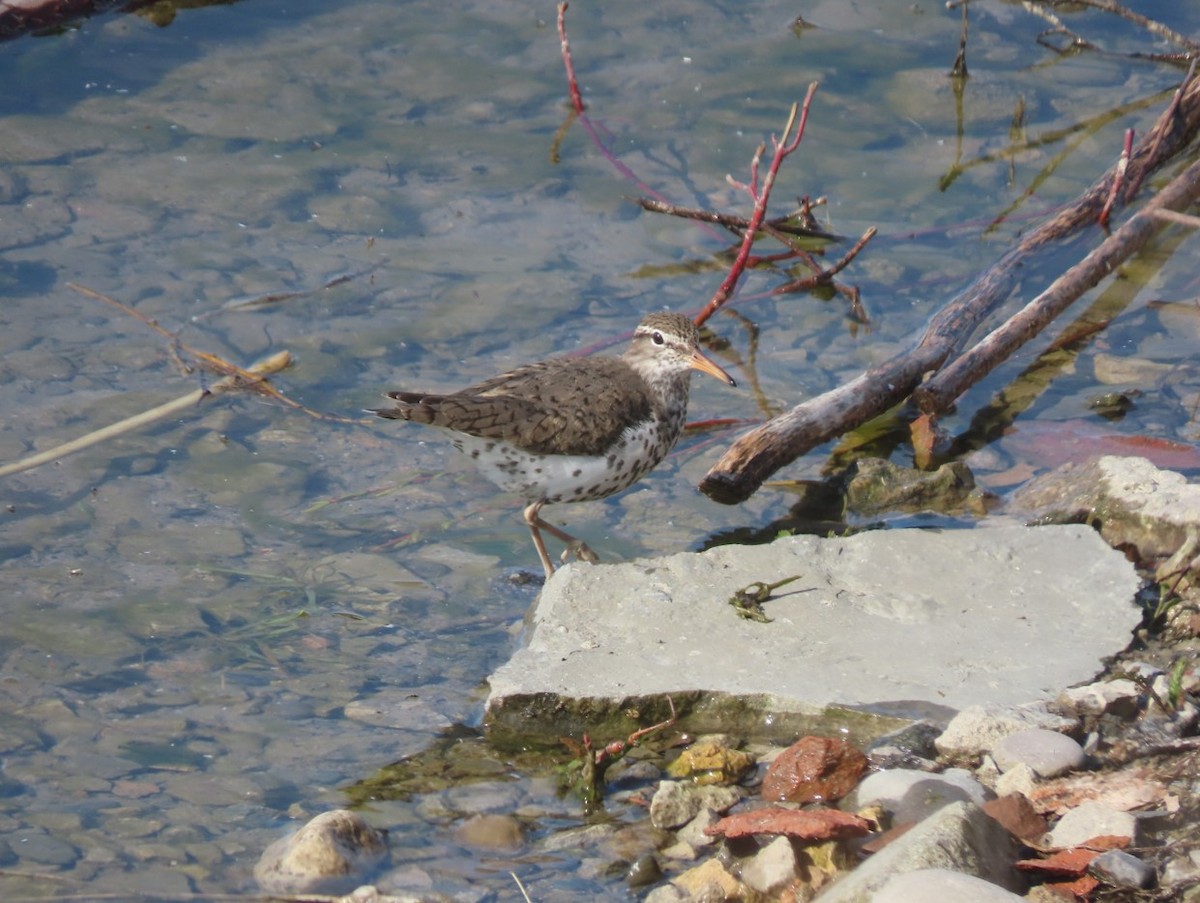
(1048, 753)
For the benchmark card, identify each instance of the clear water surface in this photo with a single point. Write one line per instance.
(213, 625)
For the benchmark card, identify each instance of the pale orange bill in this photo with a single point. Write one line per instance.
(700, 362)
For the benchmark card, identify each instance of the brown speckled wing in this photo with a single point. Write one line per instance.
(555, 407)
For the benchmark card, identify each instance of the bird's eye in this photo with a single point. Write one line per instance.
(657, 337)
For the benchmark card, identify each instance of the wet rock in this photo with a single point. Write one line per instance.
(909, 747)
(371, 894)
(45, 849)
(330, 854)
(675, 803)
(645, 870)
(1048, 753)
(681, 850)
(772, 867)
(1016, 813)
(1122, 869)
(1091, 819)
(695, 832)
(709, 881)
(668, 893)
(711, 761)
(958, 838)
(585, 837)
(814, 769)
(925, 885)
(489, 831)
(632, 773)
(977, 728)
(877, 485)
(911, 795)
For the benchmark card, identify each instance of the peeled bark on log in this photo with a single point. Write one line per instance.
(755, 456)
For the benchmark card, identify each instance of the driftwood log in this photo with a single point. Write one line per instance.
(755, 456)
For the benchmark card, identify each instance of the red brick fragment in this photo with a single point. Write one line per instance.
(1079, 889)
(1017, 816)
(1063, 864)
(801, 824)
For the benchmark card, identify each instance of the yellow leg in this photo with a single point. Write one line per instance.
(574, 546)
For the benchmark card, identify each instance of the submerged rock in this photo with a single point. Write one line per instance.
(333, 853)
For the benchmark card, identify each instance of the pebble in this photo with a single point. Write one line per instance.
(771, 867)
(1091, 819)
(44, 849)
(910, 795)
(676, 804)
(330, 854)
(1123, 870)
(1116, 697)
(1048, 753)
(645, 870)
(978, 728)
(1019, 779)
(490, 831)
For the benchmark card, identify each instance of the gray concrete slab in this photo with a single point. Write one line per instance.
(898, 621)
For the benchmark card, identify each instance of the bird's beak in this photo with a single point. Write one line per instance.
(700, 362)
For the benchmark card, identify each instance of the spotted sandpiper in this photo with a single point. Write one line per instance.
(572, 429)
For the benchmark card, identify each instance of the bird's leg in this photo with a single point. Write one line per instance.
(532, 519)
(576, 547)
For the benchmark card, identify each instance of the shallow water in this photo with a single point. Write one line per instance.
(215, 624)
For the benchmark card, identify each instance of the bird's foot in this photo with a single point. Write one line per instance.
(580, 550)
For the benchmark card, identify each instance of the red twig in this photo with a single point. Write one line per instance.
(572, 84)
(1118, 181)
(782, 148)
(578, 106)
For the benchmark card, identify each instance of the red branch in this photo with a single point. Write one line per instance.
(572, 84)
(782, 149)
(578, 105)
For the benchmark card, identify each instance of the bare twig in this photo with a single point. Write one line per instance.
(572, 83)
(1155, 28)
(783, 147)
(939, 391)
(959, 69)
(735, 224)
(759, 453)
(256, 371)
(246, 379)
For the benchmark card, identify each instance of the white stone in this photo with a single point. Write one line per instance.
(978, 728)
(1092, 819)
(1019, 779)
(771, 867)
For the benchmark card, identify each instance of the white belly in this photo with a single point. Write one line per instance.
(567, 478)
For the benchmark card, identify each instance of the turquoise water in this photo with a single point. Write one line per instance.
(206, 617)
